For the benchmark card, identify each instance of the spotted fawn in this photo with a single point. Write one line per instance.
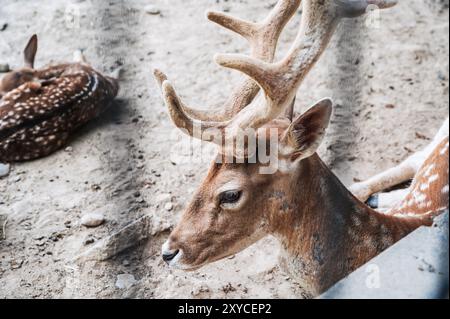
(41, 108)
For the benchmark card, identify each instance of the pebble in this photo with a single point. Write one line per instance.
(16, 264)
(4, 170)
(3, 220)
(92, 220)
(150, 9)
(166, 197)
(4, 67)
(168, 207)
(125, 281)
(199, 289)
(89, 241)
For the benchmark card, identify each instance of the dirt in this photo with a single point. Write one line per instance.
(390, 85)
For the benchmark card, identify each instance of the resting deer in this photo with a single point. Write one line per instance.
(40, 108)
(324, 231)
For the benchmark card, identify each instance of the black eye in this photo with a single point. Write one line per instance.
(230, 197)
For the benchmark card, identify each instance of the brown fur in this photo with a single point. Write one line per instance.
(326, 233)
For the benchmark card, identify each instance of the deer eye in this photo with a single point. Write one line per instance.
(230, 197)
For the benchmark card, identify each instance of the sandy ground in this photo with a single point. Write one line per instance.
(391, 88)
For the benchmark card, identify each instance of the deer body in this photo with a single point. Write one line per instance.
(327, 233)
(39, 113)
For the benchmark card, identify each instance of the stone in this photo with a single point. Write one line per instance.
(4, 68)
(152, 10)
(120, 241)
(3, 220)
(89, 241)
(165, 197)
(4, 170)
(168, 207)
(198, 289)
(125, 281)
(92, 220)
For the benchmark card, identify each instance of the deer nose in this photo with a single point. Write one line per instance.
(169, 256)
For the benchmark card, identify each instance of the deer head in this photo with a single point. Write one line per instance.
(16, 78)
(236, 204)
(233, 207)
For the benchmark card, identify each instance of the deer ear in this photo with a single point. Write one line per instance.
(30, 51)
(307, 131)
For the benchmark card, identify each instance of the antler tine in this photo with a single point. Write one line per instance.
(280, 81)
(182, 120)
(263, 38)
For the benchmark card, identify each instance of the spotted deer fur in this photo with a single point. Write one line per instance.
(41, 108)
(395, 176)
(429, 192)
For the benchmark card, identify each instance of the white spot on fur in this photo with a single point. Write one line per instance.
(445, 149)
(445, 189)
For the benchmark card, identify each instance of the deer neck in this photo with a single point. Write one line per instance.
(325, 232)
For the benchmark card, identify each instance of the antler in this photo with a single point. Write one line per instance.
(263, 39)
(279, 81)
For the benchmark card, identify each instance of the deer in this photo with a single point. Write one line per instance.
(402, 173)
(41, 108)
(325, 232)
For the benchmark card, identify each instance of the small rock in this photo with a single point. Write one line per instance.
(125, 281)
(120, 241)
(441, 76)
(4, 67)
(168, 207)
(152, 10)
(89, 241)
(126, 263)
(199, 289)
(69, 149)
(96, 187)
(166, 197)
(3, 220)
(56, 236)
(92, 220)
(4, 170)
(16, 264)
(228, 288)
